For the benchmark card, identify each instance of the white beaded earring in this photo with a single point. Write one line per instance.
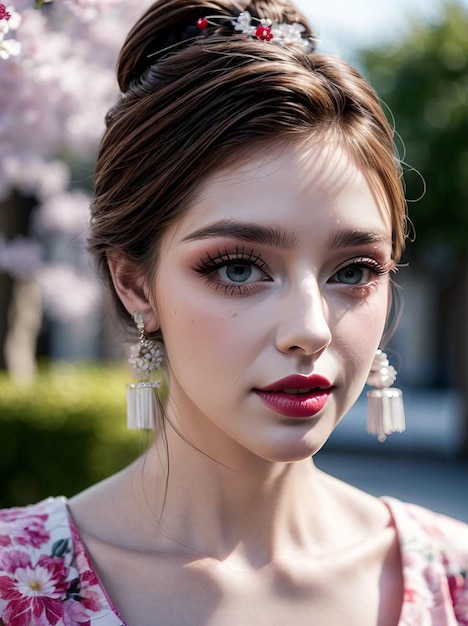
(386, 412)
(146, 357)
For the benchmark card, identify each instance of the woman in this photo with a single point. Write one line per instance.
(248, 214)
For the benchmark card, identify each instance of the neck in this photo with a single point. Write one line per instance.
(238, 504)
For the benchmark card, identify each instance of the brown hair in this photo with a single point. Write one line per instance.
(192, 103)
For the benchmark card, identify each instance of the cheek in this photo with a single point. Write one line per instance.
(203, 329)
(357, 334)
(208, 349)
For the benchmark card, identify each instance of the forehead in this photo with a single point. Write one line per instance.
(303, 187)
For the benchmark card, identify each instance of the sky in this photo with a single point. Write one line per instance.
(344, 25)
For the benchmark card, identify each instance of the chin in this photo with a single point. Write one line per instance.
(293, 451)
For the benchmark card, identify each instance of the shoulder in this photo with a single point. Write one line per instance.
(434, 551)
(44, 574)
(424, 529)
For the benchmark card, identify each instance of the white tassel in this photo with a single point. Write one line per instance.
(142, 406)
(386, 411)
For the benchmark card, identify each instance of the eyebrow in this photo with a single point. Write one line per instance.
(247, 231)
(276, 237)
(355, 238)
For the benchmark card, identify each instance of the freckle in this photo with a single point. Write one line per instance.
(234, 315)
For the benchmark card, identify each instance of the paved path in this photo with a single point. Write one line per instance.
(437, 483)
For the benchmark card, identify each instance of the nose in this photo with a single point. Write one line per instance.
(303, 325)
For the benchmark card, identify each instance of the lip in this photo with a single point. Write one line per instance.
(299, 381)
(292, 404)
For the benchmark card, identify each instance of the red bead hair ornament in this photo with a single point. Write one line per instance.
(202, 23)
(264, 33)
(281, 33)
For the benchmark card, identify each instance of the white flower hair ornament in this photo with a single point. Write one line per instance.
(282, 34)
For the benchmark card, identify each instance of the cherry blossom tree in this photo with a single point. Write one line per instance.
(57, 62)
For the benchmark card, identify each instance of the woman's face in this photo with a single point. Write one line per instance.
(279, 269)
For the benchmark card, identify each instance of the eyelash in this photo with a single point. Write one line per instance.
(371, 264)
(210, 264)
(376, 268)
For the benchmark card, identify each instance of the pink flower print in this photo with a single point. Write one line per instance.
(91, 598)
(75, 614)
(416, 615)
(458, 586)
(4, 537)
(410, 595)
(34, 594)
(12, 560)
(24, 529)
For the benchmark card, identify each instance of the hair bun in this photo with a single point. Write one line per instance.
(168, 23)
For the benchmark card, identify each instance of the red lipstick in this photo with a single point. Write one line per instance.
(296, 395)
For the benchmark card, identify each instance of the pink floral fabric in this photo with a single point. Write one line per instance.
(434, 551)
(46, 578)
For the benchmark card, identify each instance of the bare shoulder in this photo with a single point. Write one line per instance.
(115, 511)
(93, 508)
(360, 513)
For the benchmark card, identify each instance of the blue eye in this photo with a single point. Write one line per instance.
(240, 272)
(237, 272)
(360, 272)
(351, 275)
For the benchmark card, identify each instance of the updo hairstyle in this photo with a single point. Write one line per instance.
(192, 103)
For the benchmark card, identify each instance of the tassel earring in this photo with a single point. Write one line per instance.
(146, 357)
(386, 412)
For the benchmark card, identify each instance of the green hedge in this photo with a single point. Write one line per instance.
(63, 432)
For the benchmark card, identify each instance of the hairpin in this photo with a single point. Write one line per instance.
(283, 34)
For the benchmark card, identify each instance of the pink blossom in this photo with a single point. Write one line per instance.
(9, 48)
(66, 213)
(75, 613)
(34, 592)
(34, 176)
(4, 15)
(24, 530)
(88, 10)
(90, 597)
(459, 591)
(57, 80)
(20, 257)
(68, 293)
(10, 20)
(11, 560)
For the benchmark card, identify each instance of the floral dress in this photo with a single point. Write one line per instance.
(46, 578)
(45, 575)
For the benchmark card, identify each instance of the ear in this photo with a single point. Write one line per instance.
(131, 289)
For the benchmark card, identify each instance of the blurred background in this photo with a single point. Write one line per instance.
(62, 377)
